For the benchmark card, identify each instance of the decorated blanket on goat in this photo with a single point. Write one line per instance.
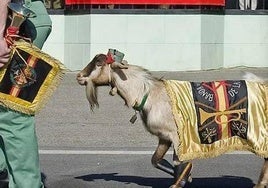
(216, 117)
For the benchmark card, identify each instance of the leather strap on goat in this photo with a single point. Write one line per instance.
(29, 78)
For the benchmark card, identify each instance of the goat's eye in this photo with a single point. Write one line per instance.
(99, 64)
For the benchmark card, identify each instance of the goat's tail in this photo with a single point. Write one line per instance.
(248, 76)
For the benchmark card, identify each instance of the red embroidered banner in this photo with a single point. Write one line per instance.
(152, 2)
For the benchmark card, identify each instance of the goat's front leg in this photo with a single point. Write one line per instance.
(157, 158)
(182, 172)
(263, 180)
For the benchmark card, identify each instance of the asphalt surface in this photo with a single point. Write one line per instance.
(80, 148)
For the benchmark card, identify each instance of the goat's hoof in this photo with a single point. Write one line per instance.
(190, 179)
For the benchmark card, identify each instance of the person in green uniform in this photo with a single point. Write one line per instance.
(18, 142)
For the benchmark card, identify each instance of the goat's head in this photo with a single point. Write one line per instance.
(97, 73)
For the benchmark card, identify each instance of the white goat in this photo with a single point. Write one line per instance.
(149, 96)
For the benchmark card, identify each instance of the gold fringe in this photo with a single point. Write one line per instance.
(173, 98)
(47, 88)
(222, 150)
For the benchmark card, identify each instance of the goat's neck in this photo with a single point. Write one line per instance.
(132, 91)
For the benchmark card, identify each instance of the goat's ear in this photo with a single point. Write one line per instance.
(121, 74)
(116, 65)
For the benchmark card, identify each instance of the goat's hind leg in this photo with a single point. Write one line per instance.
(263, 179)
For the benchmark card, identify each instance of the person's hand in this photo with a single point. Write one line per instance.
(4, 52)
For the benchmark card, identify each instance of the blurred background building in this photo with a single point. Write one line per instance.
(163, 35)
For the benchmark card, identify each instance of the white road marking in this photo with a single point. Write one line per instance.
(96, 152)
(109, 152)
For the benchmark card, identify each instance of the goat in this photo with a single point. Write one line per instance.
(150, 96)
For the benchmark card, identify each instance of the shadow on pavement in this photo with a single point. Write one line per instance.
(214, 182)
(142, 181)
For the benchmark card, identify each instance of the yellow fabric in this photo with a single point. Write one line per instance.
(47, 87)
(184, 112)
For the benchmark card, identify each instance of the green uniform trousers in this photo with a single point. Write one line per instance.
(19, 151)
(18, 141)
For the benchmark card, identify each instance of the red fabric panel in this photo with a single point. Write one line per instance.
(152, 2)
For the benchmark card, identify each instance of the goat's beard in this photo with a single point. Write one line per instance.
(91, 93)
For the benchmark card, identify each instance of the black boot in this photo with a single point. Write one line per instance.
(4, 179)
(43, 179)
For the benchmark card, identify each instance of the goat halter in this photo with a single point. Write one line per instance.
(109, 59)
(112, 56)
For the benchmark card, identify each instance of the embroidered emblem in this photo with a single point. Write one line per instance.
(22, 75)
(221, 109)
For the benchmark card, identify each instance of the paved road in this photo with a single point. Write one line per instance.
(135, 171)
(80, 148)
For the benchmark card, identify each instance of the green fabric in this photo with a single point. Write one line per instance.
(42, 18)
(19, 150)
(39, 27)
(37, 34)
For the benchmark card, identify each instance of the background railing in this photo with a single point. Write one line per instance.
(55, 4)
(152, 4)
